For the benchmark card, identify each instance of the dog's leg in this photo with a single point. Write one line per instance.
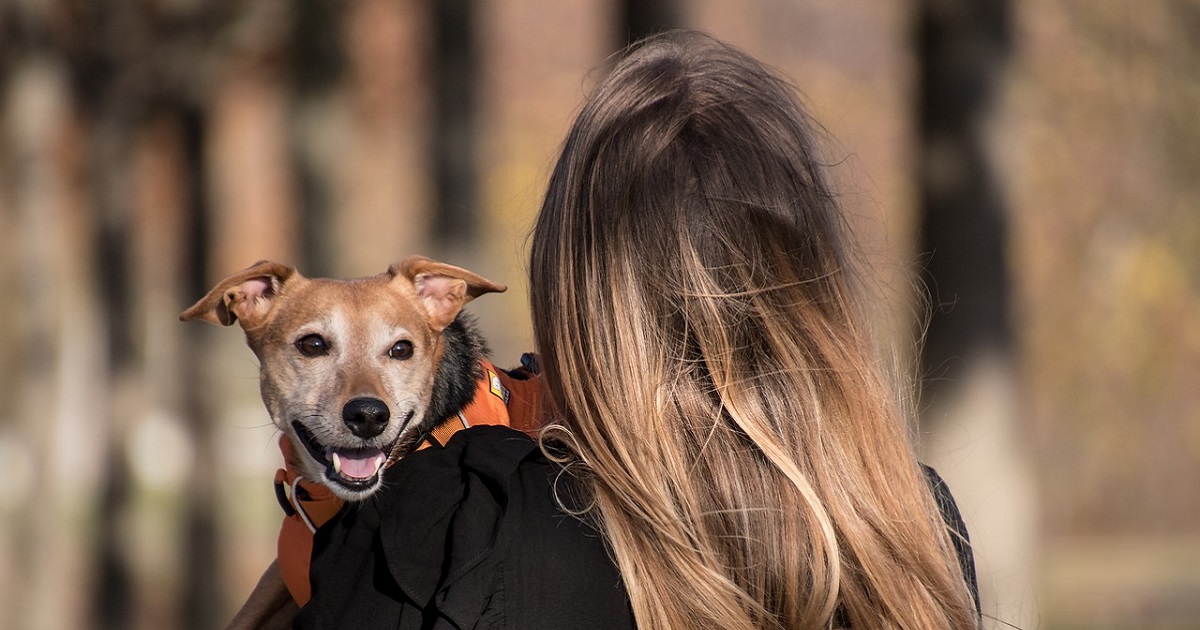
(269, 606)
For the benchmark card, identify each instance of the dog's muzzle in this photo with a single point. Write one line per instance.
(355, 469)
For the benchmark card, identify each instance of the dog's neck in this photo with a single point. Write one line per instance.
(457, 372)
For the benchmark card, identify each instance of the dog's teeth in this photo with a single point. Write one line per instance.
(379, 459)
(337, 463)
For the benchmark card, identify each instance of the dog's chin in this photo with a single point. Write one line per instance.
(353, 474)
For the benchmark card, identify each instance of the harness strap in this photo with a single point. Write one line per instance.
(306, 506)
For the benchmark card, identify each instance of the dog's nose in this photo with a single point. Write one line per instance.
(366, 417)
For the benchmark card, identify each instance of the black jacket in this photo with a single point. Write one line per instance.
(471, 536)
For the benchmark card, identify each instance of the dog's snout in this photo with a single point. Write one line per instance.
(366, 417)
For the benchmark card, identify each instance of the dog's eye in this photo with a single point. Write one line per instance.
(402, 349)
(313, 346)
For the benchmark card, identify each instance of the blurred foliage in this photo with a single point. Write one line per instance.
(1103, 136)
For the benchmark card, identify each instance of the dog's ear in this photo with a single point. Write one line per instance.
(244, 296)
(443, 289)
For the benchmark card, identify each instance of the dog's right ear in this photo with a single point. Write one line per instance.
(244, 296)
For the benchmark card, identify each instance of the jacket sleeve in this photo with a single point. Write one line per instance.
(958, 530)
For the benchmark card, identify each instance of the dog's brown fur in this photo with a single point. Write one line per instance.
(347, 372)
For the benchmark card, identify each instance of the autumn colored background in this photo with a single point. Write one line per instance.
(1024, 176)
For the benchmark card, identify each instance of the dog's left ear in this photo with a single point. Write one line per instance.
(443, 289)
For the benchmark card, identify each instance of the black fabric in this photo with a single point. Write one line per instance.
(958, 530)
(471, 536)
(466, 536)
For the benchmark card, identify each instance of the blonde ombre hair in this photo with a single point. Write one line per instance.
(712, 376)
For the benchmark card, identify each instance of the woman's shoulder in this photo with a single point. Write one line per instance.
(474, 533)
(958, 528)
(492, 451)
(552, 565)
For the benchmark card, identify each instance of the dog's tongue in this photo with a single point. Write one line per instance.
(357, 463)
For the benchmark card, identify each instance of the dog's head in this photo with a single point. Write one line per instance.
(346, 366)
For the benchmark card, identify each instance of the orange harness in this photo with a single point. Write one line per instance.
(499, 399)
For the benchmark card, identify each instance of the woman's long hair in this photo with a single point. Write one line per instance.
(710, 368)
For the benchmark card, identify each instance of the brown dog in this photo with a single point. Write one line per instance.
(353, 372)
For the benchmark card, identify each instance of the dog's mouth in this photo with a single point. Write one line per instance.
(355, 469)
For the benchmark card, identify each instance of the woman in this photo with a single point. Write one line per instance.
(725, 449)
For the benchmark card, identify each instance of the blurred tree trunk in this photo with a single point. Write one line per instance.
(204, 602)
(640, 18)
(963, 46)
(58, 346)
(527, 93)
(454, 145)
(110, 154)
(169, 247)
(384, 177)
(971, 392)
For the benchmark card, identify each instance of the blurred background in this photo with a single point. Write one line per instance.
(1024, 176)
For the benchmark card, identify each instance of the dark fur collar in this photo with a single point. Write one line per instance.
(457, 373)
